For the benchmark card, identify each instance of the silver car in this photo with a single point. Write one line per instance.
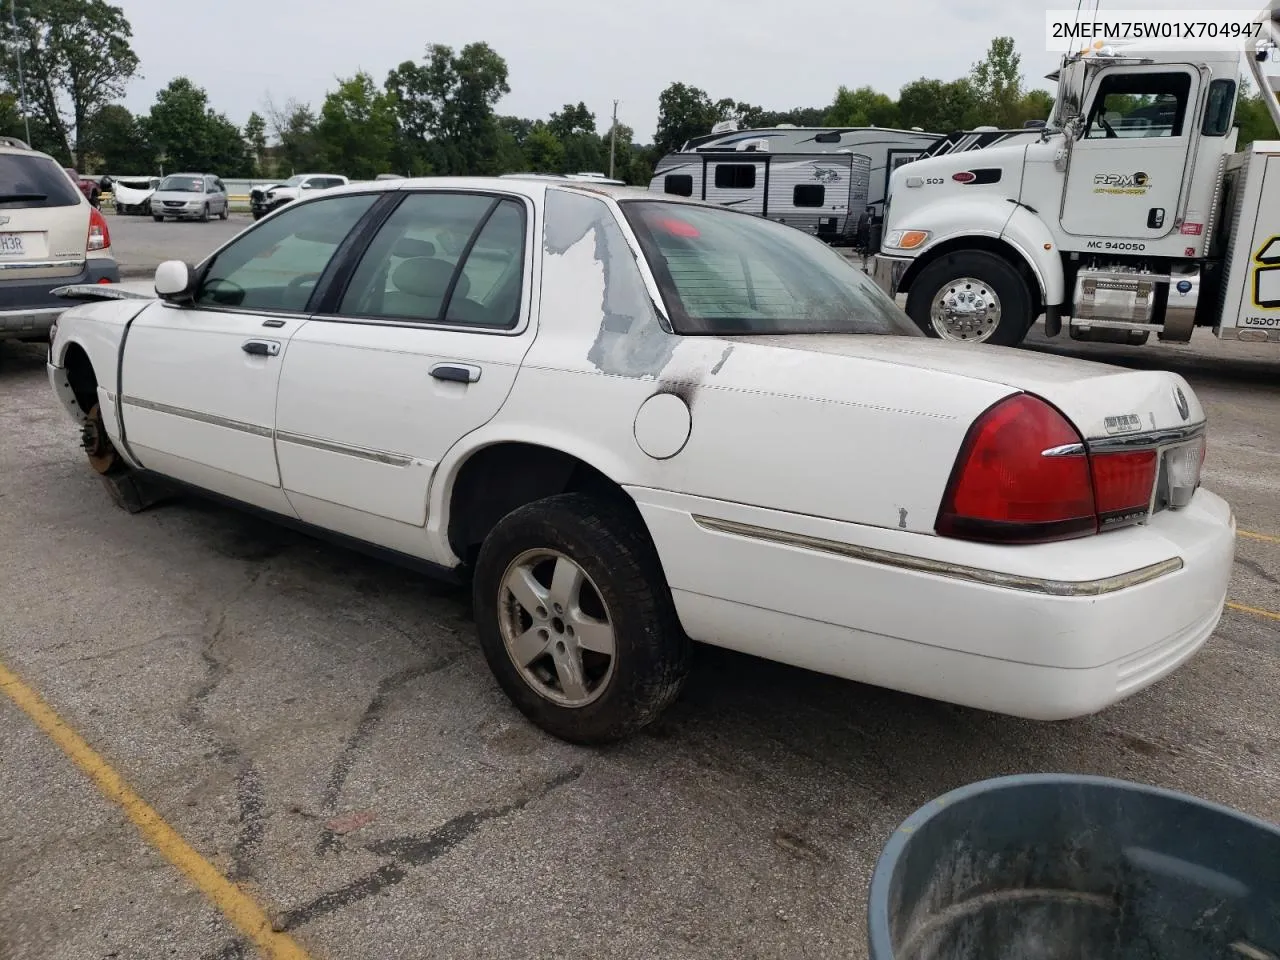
(190, 196)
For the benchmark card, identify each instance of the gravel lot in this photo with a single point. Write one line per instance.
(323, 728)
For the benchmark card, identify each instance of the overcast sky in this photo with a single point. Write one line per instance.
(775, 53)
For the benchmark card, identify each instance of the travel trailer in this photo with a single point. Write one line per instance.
(828, 181)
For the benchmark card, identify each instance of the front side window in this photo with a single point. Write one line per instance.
(455, 258)
(274, 266)
(1132, 105)
(722, 272)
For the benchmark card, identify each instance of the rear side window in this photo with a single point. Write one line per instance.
(723, 272)
(28, 181)
(454, 258)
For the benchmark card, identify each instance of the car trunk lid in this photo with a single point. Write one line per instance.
(1101, 400)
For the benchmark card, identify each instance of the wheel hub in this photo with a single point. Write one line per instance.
(97, 445)
(966, 310)
(556, 628)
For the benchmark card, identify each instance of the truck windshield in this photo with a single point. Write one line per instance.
(722, 272)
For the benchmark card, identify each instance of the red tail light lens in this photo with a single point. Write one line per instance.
(99, 235)
(1024, 475)
(1122, 484)
(1006, 489)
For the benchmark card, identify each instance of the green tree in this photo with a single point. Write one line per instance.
(255, 136)
(444, 108)
(76, 58)
(543, 151)
(863, 107)
(686, 112)
(177, 125)
(191, 136)
(117, 140)
(572, 120)
(356, 128)
(294, 125)
(997, 86)
(935, 105)
(228, 153)
(1252, 118)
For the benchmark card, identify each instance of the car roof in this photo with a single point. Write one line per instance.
(6, 148)
(534, 187)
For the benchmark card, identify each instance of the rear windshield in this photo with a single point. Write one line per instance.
(35, 182)
(182, 185)
(723, 272)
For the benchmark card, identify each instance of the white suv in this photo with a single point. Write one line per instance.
(50, 236)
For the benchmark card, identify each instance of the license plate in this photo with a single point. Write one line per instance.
(12, 245)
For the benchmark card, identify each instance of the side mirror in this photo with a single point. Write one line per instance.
(175, 282)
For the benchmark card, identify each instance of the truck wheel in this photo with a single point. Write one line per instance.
(576, 619)
(972, 297)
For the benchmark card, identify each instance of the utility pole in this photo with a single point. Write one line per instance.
(613, 137)
(22, 84)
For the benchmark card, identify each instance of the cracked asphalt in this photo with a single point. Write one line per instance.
(322, 728)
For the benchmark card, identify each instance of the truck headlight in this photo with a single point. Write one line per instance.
(906, 239)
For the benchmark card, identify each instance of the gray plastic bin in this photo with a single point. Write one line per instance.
(1051, 867)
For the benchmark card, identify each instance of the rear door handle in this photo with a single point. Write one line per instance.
(261, 348)
(457, 372)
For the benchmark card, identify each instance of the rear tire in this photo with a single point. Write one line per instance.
(565, 684)
(226, 211)
(972, 297)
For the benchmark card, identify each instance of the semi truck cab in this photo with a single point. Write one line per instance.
(1128, 212)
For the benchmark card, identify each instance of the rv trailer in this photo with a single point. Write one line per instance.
(827, 181)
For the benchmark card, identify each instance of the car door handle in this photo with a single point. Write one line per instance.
(261, 348)
(457, 372)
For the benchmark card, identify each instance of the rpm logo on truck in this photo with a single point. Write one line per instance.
(1130, 184)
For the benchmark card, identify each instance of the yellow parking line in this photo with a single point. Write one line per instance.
(1257, 536)
(1256, 611)
(235, 904)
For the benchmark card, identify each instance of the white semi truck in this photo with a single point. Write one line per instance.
(1128, 213)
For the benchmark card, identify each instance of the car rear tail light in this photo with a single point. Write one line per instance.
(1122, 484)
(1025, 475)
(99, 235)
(1022, 477)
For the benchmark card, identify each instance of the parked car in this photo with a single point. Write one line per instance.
(262, 200)
(630, 420)
(190, 196)
(50, 236)
(132, 195)
(89, 186)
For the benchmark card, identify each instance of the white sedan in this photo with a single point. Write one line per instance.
(633, 420)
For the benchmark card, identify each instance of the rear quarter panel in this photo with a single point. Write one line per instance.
(831, 436)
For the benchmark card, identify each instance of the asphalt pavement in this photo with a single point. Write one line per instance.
(321, 728)
(140, 244)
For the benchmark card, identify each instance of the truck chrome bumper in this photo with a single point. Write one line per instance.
(887, 272)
